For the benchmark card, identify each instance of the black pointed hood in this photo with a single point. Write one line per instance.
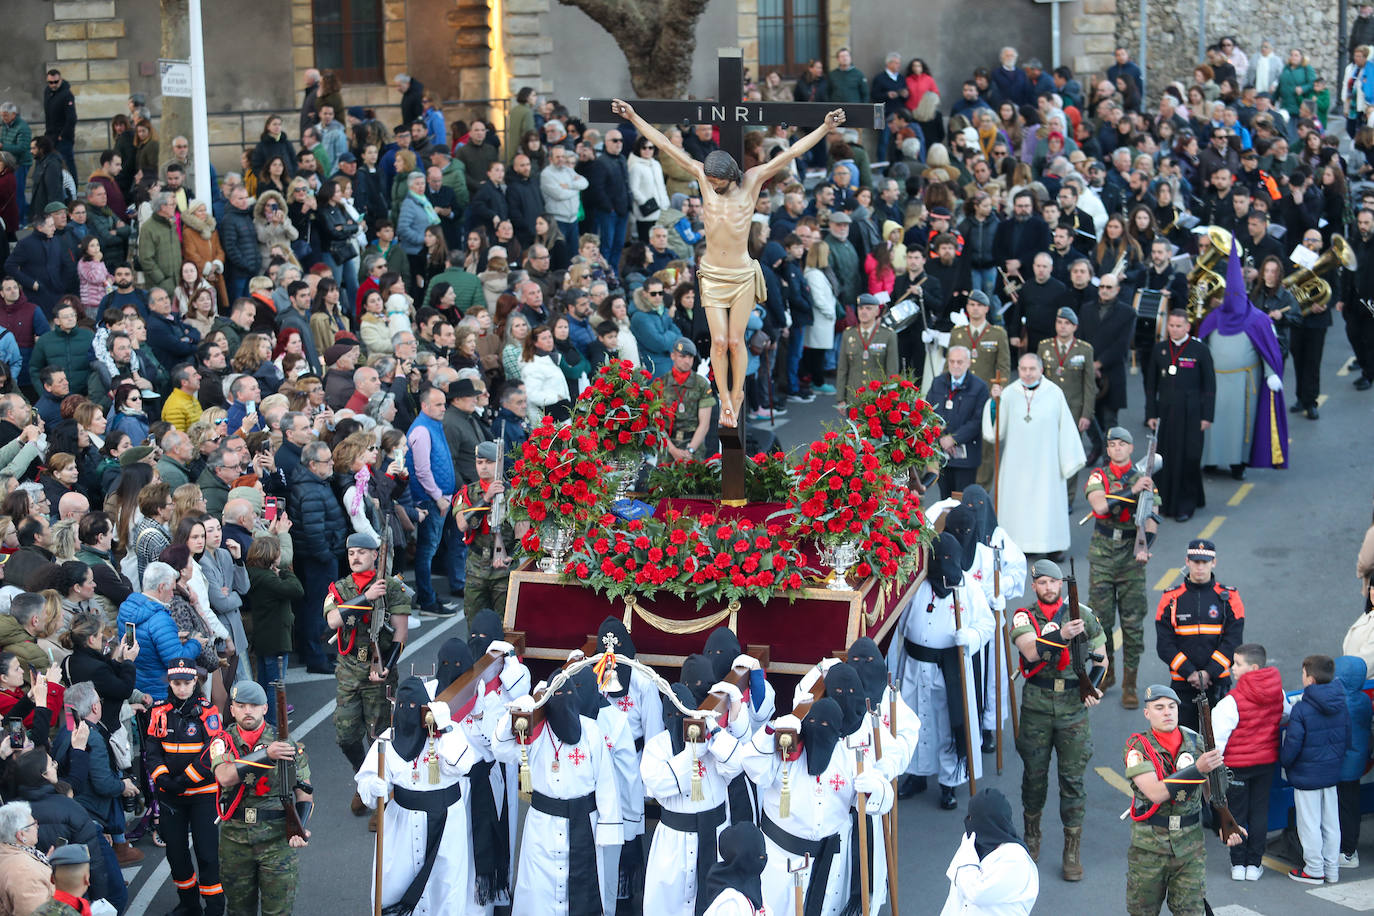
(408, 732)
(989, 819)
(743, 856)
(842, 684)
(820, 732)
(624, 644)
(698, 675)
(962, 522)
(946, 568)
(977, 499)
(563, 713)
(722, 648)
(486, 628)
(589, 698)
(867, 660)
(454, 661)
(672, 718)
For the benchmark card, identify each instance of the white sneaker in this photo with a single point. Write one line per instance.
(1237, 872)
(1350, 861)
(1253, 872)
(1333, 876)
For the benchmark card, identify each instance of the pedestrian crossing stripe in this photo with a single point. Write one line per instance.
(1321, 399)
(1345, 368)
(1234, 909)
(1355, 895)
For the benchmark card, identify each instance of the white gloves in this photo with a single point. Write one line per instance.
(870, 782)
(1274, 382)
(443, 718)
(998, 602)
(745, 660)
(728, 690)
(928, 336)
(826, 664)
(788, 721)
(959, 319)
(371, 788)
(967, 636)
(499, 647)
(800, 696)
(523, 704)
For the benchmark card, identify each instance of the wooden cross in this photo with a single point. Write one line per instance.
(730, 112)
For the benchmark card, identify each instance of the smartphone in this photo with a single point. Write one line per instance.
(269, 510)
(129, 635)
(250, 407)
(15, 729)
(71, 719)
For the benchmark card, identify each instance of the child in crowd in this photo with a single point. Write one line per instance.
(1313, 750)
(1351, 672)
(1246, 724)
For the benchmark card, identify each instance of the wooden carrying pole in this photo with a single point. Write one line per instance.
(889, 834)
(381, 832)
(963, 687)
(996, 442)
(997, 652)
(892, 825)
(862, 838)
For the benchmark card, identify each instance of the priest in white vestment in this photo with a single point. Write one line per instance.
(1040, 449)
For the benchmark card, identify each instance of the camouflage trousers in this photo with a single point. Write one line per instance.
(486, 587)
(1117, 586)
(362, 709)
(265, 872)
(1054, 722)
(1154, 874)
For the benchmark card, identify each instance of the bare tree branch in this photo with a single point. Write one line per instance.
(657, 38)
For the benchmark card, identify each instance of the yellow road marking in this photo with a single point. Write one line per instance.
(1212, 526)
(1344, 370)
(1115, 780)
(1321, 399)
(1276, 864)
(1240, 494)
(1167, 580)
(1116, 636)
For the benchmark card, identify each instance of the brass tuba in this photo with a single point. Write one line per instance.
(1204, 282)
(1306, 284)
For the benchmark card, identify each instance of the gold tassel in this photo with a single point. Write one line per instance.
(433, 764)
(526, 784)
(785, 799)
(697, 794)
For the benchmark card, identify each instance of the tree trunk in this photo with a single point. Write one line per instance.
(176, 112)
(657, 38)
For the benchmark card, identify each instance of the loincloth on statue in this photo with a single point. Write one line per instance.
(727, 287)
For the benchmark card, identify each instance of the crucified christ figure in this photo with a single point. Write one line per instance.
(731, 281)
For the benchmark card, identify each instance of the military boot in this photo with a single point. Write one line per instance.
(1032, 822)
(1073, 867)
(1129, 700)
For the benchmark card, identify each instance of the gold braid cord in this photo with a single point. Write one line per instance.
(677, 627)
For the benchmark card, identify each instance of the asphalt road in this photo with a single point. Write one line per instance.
(1286, 540)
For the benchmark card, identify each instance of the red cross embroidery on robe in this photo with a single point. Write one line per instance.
(577, 756)
(837, 781)
(978, 575)
(625, 704)
(887, 723)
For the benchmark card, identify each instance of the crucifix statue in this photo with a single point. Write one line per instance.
(731, 282)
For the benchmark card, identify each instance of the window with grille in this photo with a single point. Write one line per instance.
(791, 33)
(348, 39)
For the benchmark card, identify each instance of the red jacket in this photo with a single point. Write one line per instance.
(1259, 701)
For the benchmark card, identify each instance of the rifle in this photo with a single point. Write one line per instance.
(1145, 500)
(1219, 779)
(286, 769)
(498, 510)
(1078, 648)
(381, 616)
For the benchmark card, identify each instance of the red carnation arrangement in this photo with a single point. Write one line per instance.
(839, 485)
(904, 429)
(558, 480)
(623, 409)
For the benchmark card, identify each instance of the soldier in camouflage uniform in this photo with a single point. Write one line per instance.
(487, 575)
(990, 353)
(1116, 568)
(363, 708)
(71, 877)
(258, 863)
(1069, 364)
(1167, 768)
(868, 351)
(1053, 715)
(689, 402)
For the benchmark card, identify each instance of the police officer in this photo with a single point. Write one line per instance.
(868, 351)
(1167, 769)
(1069, 364)
(1054, 716)
(364, 671)
(1116, 568)
(689, 404)
(1198, 625)
(487, 573)
(261, 864)
(180, 732)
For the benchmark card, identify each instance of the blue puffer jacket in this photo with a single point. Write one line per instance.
(1317, 738)
(1351, 672)
(156, 633)
(318, 521)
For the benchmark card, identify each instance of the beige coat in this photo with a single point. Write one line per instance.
(24, 884)
(201, 246)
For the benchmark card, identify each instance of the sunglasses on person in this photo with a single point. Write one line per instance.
(657, 294)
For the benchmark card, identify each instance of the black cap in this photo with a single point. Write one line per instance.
(463, 388)
(348, 157)
(1201, 549)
